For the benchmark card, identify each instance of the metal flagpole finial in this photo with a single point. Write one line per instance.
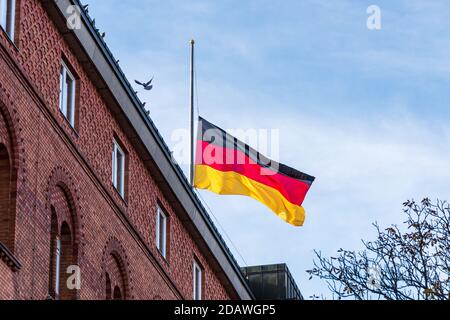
(192, 42)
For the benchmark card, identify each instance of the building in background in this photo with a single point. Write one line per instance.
(272, 282)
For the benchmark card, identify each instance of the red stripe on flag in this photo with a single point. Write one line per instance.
(292, 189)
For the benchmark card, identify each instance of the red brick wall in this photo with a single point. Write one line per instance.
(50, 156)
(6, 283)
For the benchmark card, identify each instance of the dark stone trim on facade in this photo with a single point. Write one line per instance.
(7, 257)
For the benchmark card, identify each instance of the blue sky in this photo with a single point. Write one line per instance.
(364, 111)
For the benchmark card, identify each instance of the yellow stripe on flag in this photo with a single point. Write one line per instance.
(233, 183)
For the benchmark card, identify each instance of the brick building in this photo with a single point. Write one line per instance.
(87, 181)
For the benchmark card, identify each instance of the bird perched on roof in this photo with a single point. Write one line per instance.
(147, 86)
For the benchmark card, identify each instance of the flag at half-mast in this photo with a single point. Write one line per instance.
(227, 166)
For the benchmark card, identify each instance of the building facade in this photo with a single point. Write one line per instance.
(88, 190)
(272, 282)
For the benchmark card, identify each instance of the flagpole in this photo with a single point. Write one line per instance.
(191, 112)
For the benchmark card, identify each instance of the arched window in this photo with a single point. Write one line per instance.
(117, 293)
(8, 188)
(54, 256)
(6, 217)
(108, 287)
(115, 272)
(66, 260)
(115, 277)
(63, 248)
(61, 259)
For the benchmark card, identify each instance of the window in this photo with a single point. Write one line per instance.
(117, 294)
(6, 216)
(197, 282)
(8, 16)
(61, 258)
(67, 93)
(57, 266)
(118, 169)
(161, 231)
(117, 284)
(108, 287)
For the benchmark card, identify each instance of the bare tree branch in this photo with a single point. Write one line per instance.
(413, 264)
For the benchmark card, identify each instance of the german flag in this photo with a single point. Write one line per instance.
(227, 166)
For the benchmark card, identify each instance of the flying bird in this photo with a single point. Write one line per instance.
(147, 86)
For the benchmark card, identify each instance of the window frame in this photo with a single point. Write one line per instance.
(197, 284)
(69, 111)
(161, 216)
(57, 266)
(118, 149)
(8, 17)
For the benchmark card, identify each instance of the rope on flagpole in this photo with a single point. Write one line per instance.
(222, 229)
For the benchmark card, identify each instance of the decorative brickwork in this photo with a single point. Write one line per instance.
(56, 171)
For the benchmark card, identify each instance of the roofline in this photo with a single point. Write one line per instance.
(148, 135)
